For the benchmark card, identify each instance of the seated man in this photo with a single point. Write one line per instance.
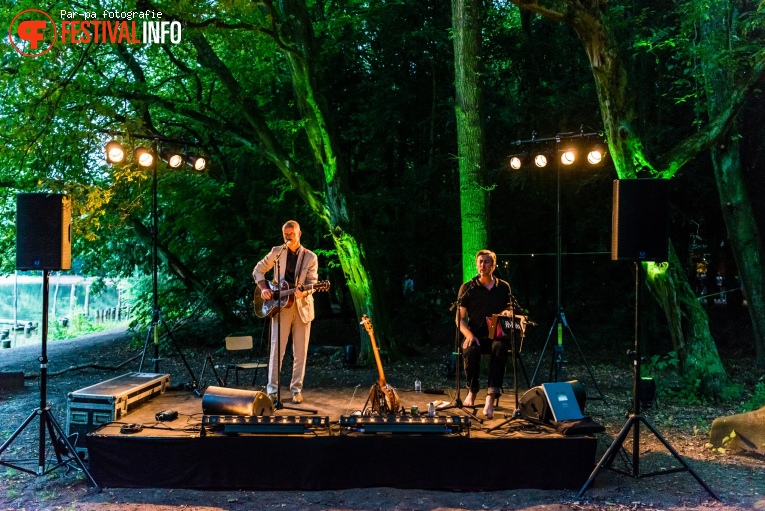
(479, 298)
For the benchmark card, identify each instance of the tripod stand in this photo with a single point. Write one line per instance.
(458, 351)
(558, 357)
(62, 447)
(633, 424)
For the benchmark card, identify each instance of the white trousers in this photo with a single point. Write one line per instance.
(301, 332)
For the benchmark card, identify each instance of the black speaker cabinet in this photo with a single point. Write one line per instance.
(640, 220)
(43, 231)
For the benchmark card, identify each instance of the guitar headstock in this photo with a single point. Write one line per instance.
(367, 324)
(322, 285)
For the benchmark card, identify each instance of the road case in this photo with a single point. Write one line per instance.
(108, 401)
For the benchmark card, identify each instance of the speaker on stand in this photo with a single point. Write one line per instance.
(640, 233)
(44, 242)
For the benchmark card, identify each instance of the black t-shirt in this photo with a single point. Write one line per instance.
(291, 266)
(481, 303)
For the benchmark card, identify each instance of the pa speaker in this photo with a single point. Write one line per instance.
(640, 220)
(43, 231)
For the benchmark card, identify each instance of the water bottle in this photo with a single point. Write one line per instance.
(417, 385)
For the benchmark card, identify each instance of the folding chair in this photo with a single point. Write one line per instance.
(241, 344)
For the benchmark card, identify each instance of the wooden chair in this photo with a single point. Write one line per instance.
(241, 344)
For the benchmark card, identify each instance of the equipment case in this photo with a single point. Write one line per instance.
(109, 401)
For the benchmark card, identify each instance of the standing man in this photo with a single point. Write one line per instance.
(298, 266)
(482, 296)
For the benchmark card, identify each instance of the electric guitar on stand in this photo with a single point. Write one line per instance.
(283, 297)
(382, 396)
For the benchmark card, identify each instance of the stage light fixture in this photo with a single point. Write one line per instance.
(173, 159)
(517, 161)
(115, 153)
(540, 160)
(596, 154)
(196, 162)
(143, 156)
(568, 157)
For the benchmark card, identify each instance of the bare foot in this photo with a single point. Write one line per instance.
(469, 400)
(488, 410)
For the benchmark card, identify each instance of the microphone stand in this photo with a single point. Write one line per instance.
(458, 351)
(517, 412)
(278, 405)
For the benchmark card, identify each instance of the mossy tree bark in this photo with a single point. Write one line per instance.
(738, 214)
(474, 196)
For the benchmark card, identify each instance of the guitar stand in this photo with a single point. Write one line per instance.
(376, 403)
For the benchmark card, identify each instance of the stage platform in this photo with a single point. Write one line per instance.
(184, 454)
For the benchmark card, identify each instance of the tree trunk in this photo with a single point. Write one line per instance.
(308, 86)
(474, 196)
(696, 350)
(737, 209)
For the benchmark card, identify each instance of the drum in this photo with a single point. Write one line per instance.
(225, 401)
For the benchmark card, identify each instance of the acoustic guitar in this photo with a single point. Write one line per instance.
(283, 297)
(382, 396)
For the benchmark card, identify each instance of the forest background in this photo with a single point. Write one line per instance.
(376, 125)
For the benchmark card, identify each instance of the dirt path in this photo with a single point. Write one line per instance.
(739, 479)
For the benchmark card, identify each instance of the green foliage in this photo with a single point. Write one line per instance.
(756, 400)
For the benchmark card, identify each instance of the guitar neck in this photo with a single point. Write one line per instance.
(376, 351)
(292, 290)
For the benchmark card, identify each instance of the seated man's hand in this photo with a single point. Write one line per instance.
(468, 342)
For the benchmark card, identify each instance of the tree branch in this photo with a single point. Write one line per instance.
(687, 149)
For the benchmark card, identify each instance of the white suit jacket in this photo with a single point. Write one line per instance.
(307, 273)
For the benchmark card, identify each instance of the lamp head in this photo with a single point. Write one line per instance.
(144, 157)
(596, 154)
(198, 163)
(172, 158)
(115, 153)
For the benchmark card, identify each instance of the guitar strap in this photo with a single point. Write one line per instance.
(299, 266)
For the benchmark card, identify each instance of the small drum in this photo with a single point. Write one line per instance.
(225, 401)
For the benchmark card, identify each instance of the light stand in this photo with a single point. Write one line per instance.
(458, 369)
(156, 315)
(558, 357)
(62, 447)
(633, 423)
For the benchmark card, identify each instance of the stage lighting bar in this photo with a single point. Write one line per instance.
(405, 424)
(565, 146)
(283, 424)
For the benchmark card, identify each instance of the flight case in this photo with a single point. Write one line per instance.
(110, 401)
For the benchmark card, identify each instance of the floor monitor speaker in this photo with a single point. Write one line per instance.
(640, 220)
(43, 231)
(551, 402)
